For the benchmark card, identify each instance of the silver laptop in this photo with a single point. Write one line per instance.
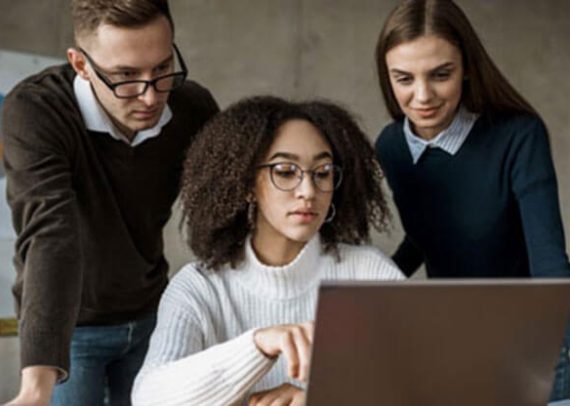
(438, 342)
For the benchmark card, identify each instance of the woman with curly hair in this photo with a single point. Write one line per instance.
(276, 196)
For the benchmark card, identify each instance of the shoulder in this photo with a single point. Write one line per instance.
(42, 106)
(194, 287)
(55, 82)
(512, 125)
(367, 262)
(390, 133)
(388, 140)
(193, 97)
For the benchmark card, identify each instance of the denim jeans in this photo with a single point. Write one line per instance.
(561, 387)
(104, 363)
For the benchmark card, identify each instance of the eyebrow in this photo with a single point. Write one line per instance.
(295, 157)
(442, 66)
(125, 67)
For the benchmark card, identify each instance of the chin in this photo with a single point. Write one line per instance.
(141, 126)
(302, 237)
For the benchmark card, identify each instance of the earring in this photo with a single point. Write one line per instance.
(332, 214)
(251, 208)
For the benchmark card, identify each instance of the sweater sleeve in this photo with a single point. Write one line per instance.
(534, 184)
(180, 369)
(38, 161)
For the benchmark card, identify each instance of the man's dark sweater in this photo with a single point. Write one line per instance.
(490, 210)
(89, 211)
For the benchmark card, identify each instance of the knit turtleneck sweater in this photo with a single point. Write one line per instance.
(202, 350)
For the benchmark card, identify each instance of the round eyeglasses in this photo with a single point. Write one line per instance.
(134, 88)
(286, 176)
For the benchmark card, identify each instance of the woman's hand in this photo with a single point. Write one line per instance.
(293, 341)
(286, 395)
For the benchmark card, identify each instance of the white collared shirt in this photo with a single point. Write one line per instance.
(450, 140)
(96, 119)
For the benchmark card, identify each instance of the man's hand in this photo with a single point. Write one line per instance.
(286, 395)
(37, 386)
(293, 341)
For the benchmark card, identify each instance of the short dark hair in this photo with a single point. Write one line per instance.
(220, 168)
(485, 90)
(87, 15)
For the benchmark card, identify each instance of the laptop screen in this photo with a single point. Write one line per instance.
(438, 342)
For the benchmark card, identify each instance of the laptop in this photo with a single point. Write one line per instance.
(438, 342)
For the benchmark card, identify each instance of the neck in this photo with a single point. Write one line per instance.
(425, 134)
(127, 132)
(275, 253)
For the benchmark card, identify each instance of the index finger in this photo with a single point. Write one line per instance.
(309, 328)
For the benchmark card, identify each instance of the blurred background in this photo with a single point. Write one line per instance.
(300, 49)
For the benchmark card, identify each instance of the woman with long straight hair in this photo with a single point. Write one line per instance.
(467, 157)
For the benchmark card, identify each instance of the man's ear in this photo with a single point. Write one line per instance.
(78, 62)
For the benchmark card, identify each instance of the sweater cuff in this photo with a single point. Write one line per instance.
(45, 349)
(245, 363)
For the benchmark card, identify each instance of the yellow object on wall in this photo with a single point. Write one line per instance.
(8, 327)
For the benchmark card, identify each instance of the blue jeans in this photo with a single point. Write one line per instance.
(561, 387)
(104, 363)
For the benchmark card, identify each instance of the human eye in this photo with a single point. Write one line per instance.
(442, 75)
(323, 171)
(285, 170)
(163, 68)
(125, 75)
(404, 79)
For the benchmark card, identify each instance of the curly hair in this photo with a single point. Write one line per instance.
(219, 175)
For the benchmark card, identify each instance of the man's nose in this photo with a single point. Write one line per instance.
(150, 96)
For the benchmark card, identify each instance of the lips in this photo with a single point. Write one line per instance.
(145, 114)
(304, 216)
(427, 112)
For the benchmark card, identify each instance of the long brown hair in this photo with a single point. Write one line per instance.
(485, 88)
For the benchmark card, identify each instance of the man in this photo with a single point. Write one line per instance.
(93, 155)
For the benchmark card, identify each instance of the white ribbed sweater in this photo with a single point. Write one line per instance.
(202, 350)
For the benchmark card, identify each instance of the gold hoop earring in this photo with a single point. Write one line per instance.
(251, 209)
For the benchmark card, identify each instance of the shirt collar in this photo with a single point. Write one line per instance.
(96, 119)
(450, 140)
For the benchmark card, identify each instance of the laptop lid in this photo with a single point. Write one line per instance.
(438, 342)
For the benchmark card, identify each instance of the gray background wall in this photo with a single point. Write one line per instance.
(324, 48)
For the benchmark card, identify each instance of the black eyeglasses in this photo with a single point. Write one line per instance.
(286, 176)
(134, 88)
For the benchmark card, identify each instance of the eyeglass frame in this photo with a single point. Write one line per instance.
(113, 85)
(312, 172)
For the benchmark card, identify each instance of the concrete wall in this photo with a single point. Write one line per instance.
(324, 48)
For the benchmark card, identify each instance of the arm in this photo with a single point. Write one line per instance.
(37, 386)
(534, 185)
(42, 199)
(408, 257)
(179, 367)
